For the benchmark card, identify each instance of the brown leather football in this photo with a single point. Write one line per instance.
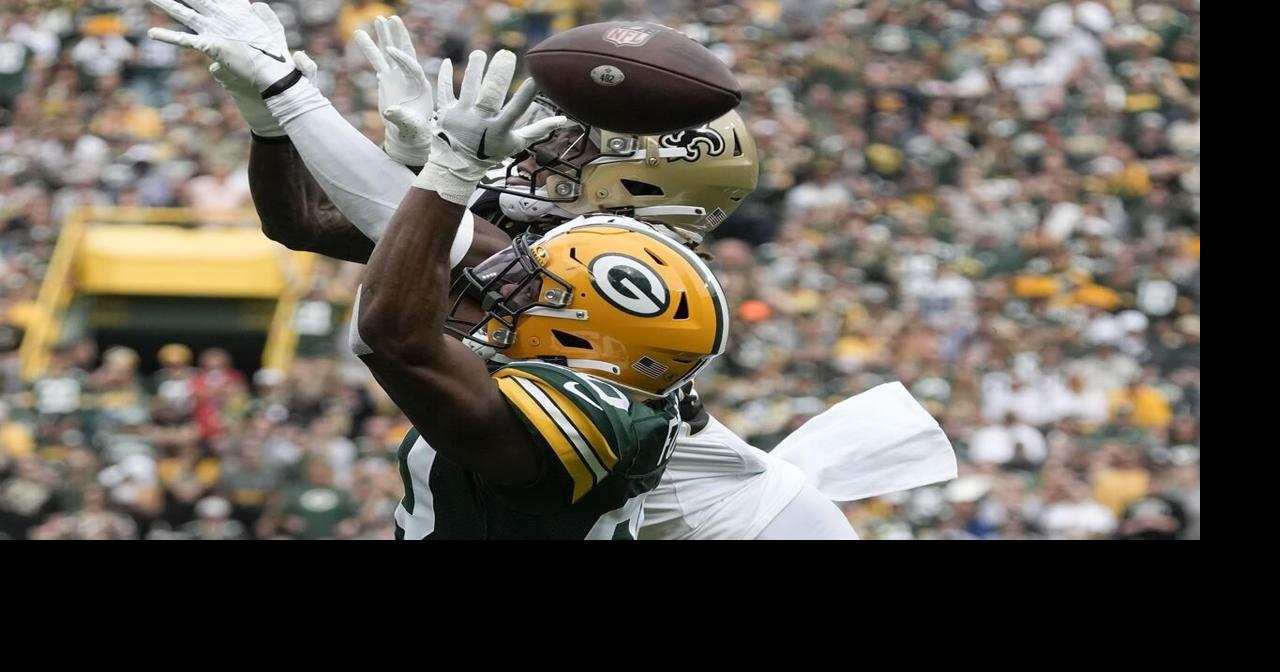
(633, 77)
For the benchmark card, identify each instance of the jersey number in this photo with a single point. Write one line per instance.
(607, 393)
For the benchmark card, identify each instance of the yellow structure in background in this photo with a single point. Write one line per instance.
(167, 252)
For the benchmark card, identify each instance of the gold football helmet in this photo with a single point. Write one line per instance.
(604, 295)
(689, 180)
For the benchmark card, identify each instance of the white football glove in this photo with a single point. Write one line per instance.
(404, 94)
(244, 38)
(252, 107)
(475, 131)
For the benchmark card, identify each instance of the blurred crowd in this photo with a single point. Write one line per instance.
(996, 202)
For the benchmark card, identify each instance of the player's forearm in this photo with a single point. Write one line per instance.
(441, 386)
(294, 210)
(401, 314)
(363, 183)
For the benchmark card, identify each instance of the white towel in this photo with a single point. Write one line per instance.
(878, 442)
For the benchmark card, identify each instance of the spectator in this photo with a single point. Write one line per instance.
(1147, 404)
(1124, 480)
(15, 63)
(212, 522)
(220, 189)
(1155, 515)
(313, 510)
(94, 521)
(218, 390)
(819, 191)
(103, 51)
(1012, 444)
(1069, 512)
(248, 482)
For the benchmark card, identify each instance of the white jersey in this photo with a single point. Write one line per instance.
(718, 486)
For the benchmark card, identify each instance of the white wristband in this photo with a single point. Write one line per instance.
(448, 185)
(296, 101)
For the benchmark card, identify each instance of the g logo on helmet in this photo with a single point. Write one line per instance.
(630, 285)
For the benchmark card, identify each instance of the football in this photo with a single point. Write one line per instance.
(633, 77)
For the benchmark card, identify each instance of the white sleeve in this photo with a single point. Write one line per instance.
(364, 183)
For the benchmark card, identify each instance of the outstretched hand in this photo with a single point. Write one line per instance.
(475, 131)
(405, 98)
(247, 40)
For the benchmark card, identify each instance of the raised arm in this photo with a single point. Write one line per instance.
(442, 387)
(248, 44)
(297, 212)
(337, 195)
(294, 209)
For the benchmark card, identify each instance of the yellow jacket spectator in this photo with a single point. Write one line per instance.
(15, 438)
(1148, 406)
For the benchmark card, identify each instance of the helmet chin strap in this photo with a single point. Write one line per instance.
(486, 352)
(521, 209)
(491, 355)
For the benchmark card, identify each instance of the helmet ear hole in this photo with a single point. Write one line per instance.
(571, 341)
(637, 188)
(682, 311)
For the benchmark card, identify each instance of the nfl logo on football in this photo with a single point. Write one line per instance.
(630, 36)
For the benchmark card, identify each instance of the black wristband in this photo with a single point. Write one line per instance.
(282, 85)
(280, 140)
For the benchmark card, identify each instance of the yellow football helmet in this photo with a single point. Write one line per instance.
(689, 180)
(604, 295)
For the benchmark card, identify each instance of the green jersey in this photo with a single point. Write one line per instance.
(604, 451)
